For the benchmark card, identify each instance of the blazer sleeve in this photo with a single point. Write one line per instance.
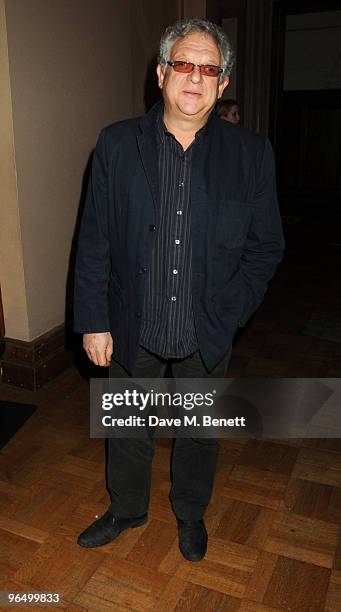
(92, 269)
(265, 241)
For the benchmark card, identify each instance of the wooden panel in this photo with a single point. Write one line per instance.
(252, 606)
(171, 595)
(226, 568)
(244, 523)
(304, 539)
(31, 364)
(122, 585)
(318, 466)
(24, 531)
(259, 582)
(333, 600)
(153, 544)
(14, 551)
(294, 582)
(60, 567)
(314, 500)
(220, 578)
(266, 455)
(198, 598)
(259, 487)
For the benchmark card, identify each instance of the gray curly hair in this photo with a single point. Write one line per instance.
(196, 24)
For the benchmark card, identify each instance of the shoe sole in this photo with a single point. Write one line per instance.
(133, 525)
(138, 522)
(192, 559)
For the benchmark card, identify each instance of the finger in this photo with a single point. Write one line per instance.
(92, 355)
(100, 357)
(88, 354)
(108, 352)
(87, 349)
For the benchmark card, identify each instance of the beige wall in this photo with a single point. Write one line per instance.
(11, 256)
(60, 84)
(63, 58)
(148, 20)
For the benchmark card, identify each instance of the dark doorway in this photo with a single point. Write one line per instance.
(306, 104)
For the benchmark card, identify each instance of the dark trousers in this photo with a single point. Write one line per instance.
(129, 461)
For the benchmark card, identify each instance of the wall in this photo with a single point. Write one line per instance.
(11, 256)
(148, 21)
(66, 70)
(65, 85)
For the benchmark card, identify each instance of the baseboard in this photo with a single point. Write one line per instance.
(30, 365)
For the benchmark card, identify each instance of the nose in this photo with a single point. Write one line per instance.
(196, 75)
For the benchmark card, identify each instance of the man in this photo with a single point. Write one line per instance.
(180, 235)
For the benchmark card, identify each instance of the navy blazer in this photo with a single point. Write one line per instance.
(237, 238)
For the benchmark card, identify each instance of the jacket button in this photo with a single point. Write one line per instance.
(152, 228)
(138, 314)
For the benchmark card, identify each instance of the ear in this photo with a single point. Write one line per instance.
(160, 75)
(222, 86)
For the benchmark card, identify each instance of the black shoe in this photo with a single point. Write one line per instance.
(107, 528)
(192, 539)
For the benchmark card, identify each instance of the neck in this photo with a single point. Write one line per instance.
(186, 125)
(184, 129)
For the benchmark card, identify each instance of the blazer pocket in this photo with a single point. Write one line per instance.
(232, 222)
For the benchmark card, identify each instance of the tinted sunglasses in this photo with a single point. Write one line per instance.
(188, 67)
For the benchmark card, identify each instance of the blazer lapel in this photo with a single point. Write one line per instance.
(148, 149)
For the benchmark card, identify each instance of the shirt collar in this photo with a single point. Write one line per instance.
(162, 130)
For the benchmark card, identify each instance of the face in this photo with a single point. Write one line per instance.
(192, 95)
(232, 115)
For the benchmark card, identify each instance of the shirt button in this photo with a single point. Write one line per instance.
(173, 298)
(175, 271)
(179, 212)
(177, 241)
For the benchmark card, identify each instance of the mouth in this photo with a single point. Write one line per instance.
(192, 93)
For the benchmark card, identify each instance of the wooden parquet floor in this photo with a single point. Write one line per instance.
(273, 522)
(275, 516)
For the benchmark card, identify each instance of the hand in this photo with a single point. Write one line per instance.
(99, 348)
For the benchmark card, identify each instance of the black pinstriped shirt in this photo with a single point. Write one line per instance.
(167, 321)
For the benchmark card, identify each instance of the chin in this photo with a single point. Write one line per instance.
(191, 109)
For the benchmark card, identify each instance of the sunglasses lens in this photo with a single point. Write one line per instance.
(182, 67)
(210, 70)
